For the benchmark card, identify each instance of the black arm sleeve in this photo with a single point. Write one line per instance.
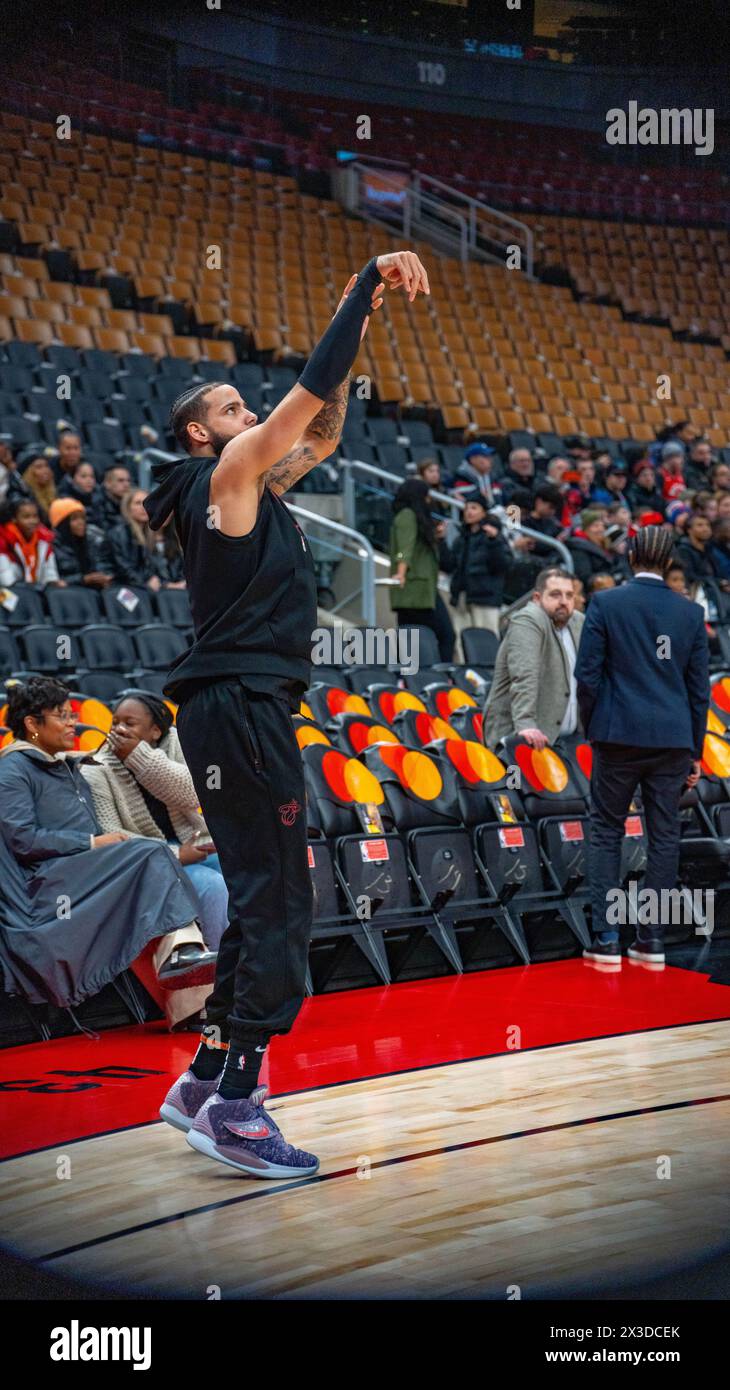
(336, 350)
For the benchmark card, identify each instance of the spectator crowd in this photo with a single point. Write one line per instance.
(61, 524)
(129, 815)
(592, 500)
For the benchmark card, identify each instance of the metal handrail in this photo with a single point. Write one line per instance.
(477, 206)
(366, 557)
(365, 554)
(417, 200)
(456, 505)
(348, 492)
(145, 461)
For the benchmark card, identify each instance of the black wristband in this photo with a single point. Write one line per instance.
(337, 349)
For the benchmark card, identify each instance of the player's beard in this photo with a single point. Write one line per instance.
(219, 441)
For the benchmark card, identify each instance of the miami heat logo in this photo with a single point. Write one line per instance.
(289, 812)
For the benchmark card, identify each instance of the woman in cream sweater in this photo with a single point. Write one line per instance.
(140, 783)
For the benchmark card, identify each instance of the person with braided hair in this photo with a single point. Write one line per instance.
(253, 595)
(141, 785)
(643, 693)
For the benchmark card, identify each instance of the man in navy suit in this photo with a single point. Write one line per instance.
(643, 691)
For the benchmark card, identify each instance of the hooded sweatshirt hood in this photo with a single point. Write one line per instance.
(170, 476)
(23, 745)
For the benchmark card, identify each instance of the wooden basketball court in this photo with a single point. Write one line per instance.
(453, 1162)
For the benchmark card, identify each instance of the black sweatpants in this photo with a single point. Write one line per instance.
(618, 769)
(243, 756)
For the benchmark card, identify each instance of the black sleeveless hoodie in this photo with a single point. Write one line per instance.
(253, 597)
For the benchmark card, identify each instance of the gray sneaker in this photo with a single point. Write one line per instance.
(243, 1135)
(184, 1100)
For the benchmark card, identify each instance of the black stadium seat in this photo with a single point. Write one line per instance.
(16, 380)
(74, 606)
(393, 457)
(480, 646)
(22, 430)
(418, 432)
(119, 614)
(50, 649)
(22, 354)
(10, 658)
(107, 648)
(100, 685)
(428, 647)
(64, 358)
(173, 608)
(105, 438)
(27, 609)
(158, 646)
(86, 410)
(382, 430)
(149, 680)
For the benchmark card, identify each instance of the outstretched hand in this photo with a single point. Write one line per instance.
(403, 268)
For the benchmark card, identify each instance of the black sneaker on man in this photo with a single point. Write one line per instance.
(603, 952)
(649, 952)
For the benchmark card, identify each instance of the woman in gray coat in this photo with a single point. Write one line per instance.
(78, 906)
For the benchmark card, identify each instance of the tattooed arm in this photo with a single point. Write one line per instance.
(318, 441)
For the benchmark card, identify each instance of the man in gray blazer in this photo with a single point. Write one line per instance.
(533, 692)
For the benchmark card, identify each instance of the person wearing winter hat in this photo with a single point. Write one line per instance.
(476, 472)
(547, 503)
(615, 481)
(579, 494)
(478, 563)
(587, 545)
(643, 494)
(82, 554)
(32, 480)
(671, 474)
(677, 514)
(673, 449)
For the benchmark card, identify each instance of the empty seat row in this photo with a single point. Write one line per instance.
(76, 606)
(49, 650)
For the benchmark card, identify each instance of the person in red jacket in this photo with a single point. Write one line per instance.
(26, 548)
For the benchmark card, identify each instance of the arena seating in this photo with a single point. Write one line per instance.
(410, 814)
(520, 167)
(149, 254)
(651, 272)
(489, 351)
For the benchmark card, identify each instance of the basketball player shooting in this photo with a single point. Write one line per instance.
(253, 595)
